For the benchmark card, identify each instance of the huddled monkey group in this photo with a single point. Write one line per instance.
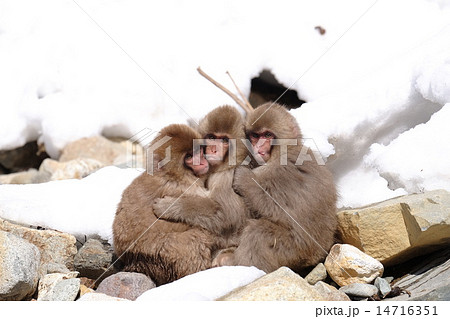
(247, 196)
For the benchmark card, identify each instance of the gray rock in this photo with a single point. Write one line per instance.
(319, 273)
(57, 249)
(359, 290)
(48, 284)
(127, 285)
(428, 278)
(94, 259)
(66, 290)
(383, 286)
(19, 267)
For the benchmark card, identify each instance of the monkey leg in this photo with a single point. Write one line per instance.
(266, 246)
(169, 256)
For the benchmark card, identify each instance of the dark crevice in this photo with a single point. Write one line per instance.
(266, 88)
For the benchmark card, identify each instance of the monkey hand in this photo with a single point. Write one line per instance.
(162, 207)
(242, 177)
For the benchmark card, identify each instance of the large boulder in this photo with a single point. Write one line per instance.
(282, 284)
(57, 249)
(19, 267)
(399, 229)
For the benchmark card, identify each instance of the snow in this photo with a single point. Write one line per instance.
(205, 285)
(79, 207)
(377, 86)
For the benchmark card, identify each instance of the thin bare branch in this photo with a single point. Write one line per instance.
(249, 106)
(220, 86)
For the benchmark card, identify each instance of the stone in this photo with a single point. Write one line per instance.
(73, 169)
(427, 278)
(97, 147)
(19, 267)
(383, 286)
(94, 296)
(27, 177)
(48, 283)
(399, 229)
(359, 290)
(282, 284)
(94, 259)
(85, 290)
(330, 293)
(319, 273)
(66, 290)
(347, 264)
(127, 285)
(57, 249)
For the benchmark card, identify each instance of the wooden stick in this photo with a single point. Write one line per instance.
(249, 106)
(220, 86)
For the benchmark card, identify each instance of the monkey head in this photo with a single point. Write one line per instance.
(174, 155)
(272, 131)
(222, 129)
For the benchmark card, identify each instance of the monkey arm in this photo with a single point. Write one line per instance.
(193, 210)
(264, 192)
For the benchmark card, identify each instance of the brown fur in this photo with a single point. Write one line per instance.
(300, 232)
(223, 212)
(161, 249)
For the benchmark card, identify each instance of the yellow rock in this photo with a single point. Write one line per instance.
(399, 229)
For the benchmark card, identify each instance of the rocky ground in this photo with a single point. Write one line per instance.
(395, 250)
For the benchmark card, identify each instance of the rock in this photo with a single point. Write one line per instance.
(399, 229)
(26, 177)
(427, 278)
(19, 267)
(94, 296)
(77, 168)
(330, 293)
(85, 290)
(96, 147)
(127, 285)
(57, 249)
(282, 284)
(66, 290)
(359, 290)
(317, 274)
(347, 264)
(94, 259)
(48, 283)
(383, 286)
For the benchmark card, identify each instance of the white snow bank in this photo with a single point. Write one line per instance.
(205, 285)
(376, 111)
(80, 207)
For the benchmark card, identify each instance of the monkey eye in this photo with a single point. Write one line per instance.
(225, 140)
(188, 156)
(210, 137)
(268, 135)
(254, 135)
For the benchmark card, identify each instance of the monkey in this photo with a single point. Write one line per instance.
(292, 203)
(161, 249)
(223, 212)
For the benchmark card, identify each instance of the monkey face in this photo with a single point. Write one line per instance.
(216, 148)
(261, 142)
(191, 160)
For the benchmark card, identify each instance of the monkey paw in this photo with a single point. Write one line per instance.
(242, 176)
(224, 258)
(161, 207)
